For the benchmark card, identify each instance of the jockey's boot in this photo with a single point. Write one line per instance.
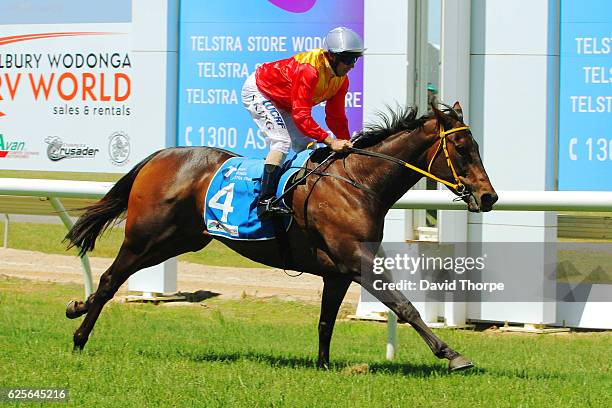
(265, 206)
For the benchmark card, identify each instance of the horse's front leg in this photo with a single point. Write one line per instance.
(397, 302)
(334, 289)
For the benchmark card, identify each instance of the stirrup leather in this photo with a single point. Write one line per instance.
(267, 208)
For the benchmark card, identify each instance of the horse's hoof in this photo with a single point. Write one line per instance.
(459, 363)
(322, 366)
(71, 311)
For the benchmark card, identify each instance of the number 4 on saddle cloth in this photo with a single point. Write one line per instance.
(230, 209)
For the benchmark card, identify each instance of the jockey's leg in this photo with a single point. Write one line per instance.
(299, 141)
(269, 184)
(271, 123)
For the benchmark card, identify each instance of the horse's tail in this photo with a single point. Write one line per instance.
(99, 216)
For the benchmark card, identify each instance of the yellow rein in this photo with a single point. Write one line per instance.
(443, 133)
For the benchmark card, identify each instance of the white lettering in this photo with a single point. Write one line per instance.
(353, 100)
(591, 104)
(255, 140)
(303, 43)
(204, 43)
(597, 75)
(222, 70)
(593, 45)
(211, 96)
(266, 44)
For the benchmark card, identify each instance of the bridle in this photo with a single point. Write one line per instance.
(442, 142)
(457, 185)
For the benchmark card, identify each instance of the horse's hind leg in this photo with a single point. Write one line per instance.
(127, 263)
(124, 265)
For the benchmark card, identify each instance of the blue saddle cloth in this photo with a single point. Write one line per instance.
(230, 209)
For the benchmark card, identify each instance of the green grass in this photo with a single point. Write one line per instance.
(60, 175)
(48, 238)
(255, 353)
(589, 213)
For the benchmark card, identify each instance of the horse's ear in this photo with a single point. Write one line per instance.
(457, 108)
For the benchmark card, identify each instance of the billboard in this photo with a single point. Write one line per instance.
(222, 43)
(585, 101)
(66, 85)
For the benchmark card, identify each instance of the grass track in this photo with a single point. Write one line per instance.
(253, 353)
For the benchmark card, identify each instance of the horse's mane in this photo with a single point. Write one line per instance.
(395, 121)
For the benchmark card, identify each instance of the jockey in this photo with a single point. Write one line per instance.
(280, 96)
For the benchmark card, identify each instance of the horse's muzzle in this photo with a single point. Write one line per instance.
(481, 197)
(480, 202)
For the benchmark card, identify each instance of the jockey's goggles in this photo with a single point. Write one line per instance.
(347, 59)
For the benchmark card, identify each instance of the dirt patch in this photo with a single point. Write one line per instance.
(228, 282)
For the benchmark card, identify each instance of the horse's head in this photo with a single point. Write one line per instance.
(454, 158)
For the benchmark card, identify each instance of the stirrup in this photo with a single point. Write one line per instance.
(266, 208)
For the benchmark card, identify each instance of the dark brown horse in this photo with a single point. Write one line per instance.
(339, 207)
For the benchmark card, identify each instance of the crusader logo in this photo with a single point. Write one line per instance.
(58, 150)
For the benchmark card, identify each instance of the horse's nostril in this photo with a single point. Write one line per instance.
(494, 198)
(488, 199)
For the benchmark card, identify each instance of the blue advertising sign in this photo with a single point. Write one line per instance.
(222, 43)
(585, 100)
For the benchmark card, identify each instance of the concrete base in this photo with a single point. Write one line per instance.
(155, 297)
(533, 329)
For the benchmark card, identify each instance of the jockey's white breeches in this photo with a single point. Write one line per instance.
(276, 124)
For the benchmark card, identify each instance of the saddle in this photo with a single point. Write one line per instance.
(231, 199)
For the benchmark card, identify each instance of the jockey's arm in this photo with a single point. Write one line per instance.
(335, 117)
(301, 103)
(335, 114)
(301, 99)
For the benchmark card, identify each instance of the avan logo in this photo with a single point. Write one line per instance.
(14, 149)
(294, 6)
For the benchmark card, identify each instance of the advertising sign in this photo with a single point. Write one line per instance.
(222, 43)
(585, 102)
(65, 85)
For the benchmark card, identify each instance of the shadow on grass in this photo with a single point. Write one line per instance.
(435, 369)
(406, 369)
(198, 295)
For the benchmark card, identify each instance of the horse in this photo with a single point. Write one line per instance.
(339, 206)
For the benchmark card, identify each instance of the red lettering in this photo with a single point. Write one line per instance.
(103, 97)
(87, 86)
(12, 90)
(89, 83)
(46, 87)
(75, 86)
(128, 87)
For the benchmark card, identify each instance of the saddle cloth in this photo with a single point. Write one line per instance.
(230, 207)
